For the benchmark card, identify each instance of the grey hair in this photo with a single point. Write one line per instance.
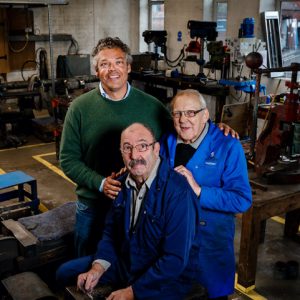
(189, 92)
(110, 43)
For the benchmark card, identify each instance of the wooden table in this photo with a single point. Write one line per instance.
(276, 200)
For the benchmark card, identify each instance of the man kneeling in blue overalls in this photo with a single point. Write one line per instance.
(149, 248)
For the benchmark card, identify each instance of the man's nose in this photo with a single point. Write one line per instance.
(111, 66)
(135, 153)
(182, 117)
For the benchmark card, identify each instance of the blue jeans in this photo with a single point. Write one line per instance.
(88, 229)
(68, 272)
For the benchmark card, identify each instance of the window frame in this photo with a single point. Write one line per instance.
(285, 56)
(152, 3)
(221, 34)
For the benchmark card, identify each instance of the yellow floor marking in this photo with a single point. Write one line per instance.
(50, 166)
(249, 292)
(24, 147)
(42, 207)
(278, 219)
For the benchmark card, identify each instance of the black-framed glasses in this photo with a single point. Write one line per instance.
(187, 113)
(142, 147)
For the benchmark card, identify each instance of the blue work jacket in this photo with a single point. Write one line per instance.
(219, 167)
(161, 254)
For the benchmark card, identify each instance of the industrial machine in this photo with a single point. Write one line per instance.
(205, 31)
(277, 153)
(32, 247)
(219, 58)
(159, 38)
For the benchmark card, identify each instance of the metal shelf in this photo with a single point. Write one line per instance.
(40, 38)
(34, 2)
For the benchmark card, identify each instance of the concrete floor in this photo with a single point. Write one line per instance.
(38, 160)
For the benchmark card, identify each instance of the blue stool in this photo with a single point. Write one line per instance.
(19, 178)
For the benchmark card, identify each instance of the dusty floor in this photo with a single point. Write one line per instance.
(39, 160)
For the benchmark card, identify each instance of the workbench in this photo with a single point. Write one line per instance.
(276, 200)
(210, 87)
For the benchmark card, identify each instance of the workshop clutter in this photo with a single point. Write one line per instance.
(37, 240)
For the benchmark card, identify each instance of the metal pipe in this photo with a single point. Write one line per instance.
(72, 83)
(18, 94)
(292, 67)
(254, 114)
(51, 48)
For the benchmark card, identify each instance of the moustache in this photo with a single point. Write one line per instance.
(135, 162)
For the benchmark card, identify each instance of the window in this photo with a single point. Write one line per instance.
(152, 17)
(290, 31)
(220, 10)
(156, 19)
(157, 15)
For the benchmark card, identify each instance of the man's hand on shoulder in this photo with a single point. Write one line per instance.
(190, 178)
(123, 294)
(112, 187)
(228, 130)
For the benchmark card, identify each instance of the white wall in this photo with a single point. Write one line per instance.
(177, 15)
(87, 21)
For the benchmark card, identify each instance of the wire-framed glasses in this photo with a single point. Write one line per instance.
(187, 113)
(142, 147)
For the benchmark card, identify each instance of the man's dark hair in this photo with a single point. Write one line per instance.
(111, 43)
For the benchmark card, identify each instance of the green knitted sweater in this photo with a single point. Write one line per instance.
(90, 140)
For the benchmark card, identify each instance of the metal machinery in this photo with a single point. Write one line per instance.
(159, 38)
(205, 31)
(39, 244)
(277, 152)
(49, 127)
(219, 58)
(30, 241)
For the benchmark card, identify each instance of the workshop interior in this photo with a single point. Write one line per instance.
(243, 56)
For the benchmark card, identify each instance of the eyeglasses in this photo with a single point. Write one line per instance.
(187, 113)
(127, 148)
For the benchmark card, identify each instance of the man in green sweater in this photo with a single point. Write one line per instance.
(89, 152)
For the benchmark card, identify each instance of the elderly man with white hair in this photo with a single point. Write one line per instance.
(215, 166)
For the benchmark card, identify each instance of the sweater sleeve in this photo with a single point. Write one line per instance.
(71, 157)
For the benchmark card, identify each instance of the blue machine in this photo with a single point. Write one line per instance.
(18, 179)
(247, 86)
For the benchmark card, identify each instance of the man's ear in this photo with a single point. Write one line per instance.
(128, 68)
(156, 148)
(206, 115)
